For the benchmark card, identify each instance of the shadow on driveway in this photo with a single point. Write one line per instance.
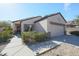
(3, 45)
(70, 39)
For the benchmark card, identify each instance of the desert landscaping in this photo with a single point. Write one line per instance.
(63, 50)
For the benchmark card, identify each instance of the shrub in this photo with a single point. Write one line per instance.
(26, 36)
(5, 35)
(39, 36)
(33, 37)
(4, 24)
(75, 33)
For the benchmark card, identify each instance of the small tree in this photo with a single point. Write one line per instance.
(4, 24)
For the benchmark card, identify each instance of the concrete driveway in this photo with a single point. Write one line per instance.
(70, 39)
(17, 48)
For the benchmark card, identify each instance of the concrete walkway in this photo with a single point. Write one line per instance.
(17, 48)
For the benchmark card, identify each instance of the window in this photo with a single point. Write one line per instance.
(27, 27)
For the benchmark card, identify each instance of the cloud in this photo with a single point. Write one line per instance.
(66, 6)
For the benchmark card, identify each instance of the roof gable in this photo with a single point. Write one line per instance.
(50, 16)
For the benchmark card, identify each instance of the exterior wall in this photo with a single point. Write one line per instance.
(57, 19)
(56, 30)
(31, 21)
(41, 26)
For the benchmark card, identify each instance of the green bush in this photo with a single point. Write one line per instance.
(33, 36)
(39, 36)
(26, 37)
(75, 33)
(5, 35)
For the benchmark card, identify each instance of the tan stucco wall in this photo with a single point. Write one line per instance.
(31, 21)
(41, 26)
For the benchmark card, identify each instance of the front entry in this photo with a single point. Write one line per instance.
(18, 29)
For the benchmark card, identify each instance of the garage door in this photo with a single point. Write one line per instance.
(56, 30)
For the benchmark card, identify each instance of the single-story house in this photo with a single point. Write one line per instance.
(53, 24)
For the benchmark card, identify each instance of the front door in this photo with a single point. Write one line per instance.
(18, 28)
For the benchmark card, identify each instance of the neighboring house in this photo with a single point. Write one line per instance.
(71, 24)
(53, 24)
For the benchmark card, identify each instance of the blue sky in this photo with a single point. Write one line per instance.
(18, 11)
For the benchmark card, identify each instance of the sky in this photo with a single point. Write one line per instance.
(16, 11)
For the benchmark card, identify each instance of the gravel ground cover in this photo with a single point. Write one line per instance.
(63, 50)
